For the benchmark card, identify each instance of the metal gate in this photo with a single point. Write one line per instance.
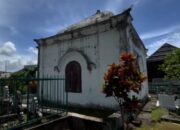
(27, 101)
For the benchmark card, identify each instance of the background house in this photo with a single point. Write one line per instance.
(156, 59)
(82, 53)
(5, 74)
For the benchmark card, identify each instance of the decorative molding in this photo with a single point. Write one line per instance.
(89, 63)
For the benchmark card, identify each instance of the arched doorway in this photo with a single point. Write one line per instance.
(73, 77)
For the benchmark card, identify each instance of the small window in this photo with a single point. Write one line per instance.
(73, 77)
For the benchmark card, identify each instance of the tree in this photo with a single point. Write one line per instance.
(171, 65)
(15, 83)
(121, 79)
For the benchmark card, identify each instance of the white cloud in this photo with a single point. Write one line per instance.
(161, 32)
(33, 50)
(119, 5)
(114, 5)
(53, 28)
(13, 30)
(173, 39)
(8, 49)
(15, 61)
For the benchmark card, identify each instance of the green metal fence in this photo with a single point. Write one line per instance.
(167, 87)
(47, 94)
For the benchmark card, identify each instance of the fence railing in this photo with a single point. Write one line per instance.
(167, 87)
(31, 99)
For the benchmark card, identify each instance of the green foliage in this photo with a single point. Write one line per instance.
(18, 84)
(171, 65)
(24, 73)
(158, 113)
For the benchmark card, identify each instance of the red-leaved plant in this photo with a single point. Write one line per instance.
(121, 79)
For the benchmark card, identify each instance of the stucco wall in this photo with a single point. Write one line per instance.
(102, 49)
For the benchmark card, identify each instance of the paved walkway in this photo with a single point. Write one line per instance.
(151, 104)
(145, 114)
(171, 118)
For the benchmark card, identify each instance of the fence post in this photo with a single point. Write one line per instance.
(28, 116)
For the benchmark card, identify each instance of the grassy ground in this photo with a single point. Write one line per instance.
(156, 123)
(157, 113)
(161, 126)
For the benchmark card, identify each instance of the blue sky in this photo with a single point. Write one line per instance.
(21, 21)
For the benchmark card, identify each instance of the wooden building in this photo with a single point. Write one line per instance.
(156, 59)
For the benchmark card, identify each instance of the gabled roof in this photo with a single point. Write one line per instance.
(95, 18)
(88, 26)
(161, 53)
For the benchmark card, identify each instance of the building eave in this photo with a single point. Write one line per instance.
(124, 16)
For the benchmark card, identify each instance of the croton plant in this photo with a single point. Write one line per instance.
(120, 79)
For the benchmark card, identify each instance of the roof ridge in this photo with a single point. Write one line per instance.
(162, 51)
